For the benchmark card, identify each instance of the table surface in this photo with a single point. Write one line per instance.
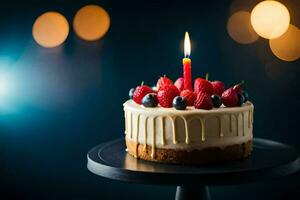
(269, 160)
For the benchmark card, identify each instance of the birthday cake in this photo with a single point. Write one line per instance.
(181, 123)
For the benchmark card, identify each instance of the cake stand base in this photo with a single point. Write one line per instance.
(269, 160)
(192, 192)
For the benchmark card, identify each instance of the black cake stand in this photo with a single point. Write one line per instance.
(269, 160)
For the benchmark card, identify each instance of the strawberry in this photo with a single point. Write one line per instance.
(230, 98)
(163, 81)
(166, 95)
(140, 92)
(179, 83)
(202, 85)
(238, 87)
(203, 101)
(219, 87)
(189, 96)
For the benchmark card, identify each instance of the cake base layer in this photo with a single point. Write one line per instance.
(205, 156)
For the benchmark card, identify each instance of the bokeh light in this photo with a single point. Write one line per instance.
(7, 87)
(4, 86)
(239, 28)
(270, 19)
(287, 46)
(50, 29)
(91, 22)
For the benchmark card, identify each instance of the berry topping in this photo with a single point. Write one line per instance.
(203, 101)
(216, 100)
(230, 98)
(140, 92)
(179, 103)
(237, 88)
(166, 95)
(131, 91)
(179, 84)
(219, 87)
(246, 96)
(163, 81)
(150, 100)
(189, 96)
(241, 99)
(203, 86)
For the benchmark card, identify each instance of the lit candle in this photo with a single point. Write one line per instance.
(187, 63)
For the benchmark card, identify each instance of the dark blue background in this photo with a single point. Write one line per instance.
(69, 99)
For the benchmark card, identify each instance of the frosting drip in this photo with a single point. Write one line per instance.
(134, 113)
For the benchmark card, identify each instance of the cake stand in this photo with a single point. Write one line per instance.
(269, 160)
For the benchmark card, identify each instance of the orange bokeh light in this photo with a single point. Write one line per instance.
(270, 19)
(287, 46)
(239, 28)
(91, 22)
(50, 29)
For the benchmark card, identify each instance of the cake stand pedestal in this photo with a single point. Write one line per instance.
(269, 160)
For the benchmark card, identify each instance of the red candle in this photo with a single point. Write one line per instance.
(187, 74)
(187, 64)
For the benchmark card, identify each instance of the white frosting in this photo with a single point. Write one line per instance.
(188, 129)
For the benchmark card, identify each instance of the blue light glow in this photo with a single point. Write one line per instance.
(7, 85)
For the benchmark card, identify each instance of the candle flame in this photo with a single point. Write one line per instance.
(187, 45)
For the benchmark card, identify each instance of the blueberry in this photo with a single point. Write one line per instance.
(216, 100)
(131, 91)
(150, 100)
(241, 99)
(246, 96)
(179, 103)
